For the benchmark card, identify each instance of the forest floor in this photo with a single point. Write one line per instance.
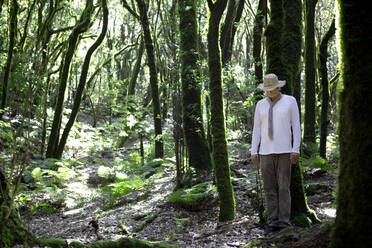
(91, 220)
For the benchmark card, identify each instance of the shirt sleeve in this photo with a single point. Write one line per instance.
(296, 126)
(256, 134)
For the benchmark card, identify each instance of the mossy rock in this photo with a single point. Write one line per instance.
(197, 198)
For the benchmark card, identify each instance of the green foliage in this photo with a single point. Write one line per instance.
(44, 208)
(315, 161)
(253, 244)
(6, 136)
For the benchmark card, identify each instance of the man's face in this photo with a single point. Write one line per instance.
(272, 93)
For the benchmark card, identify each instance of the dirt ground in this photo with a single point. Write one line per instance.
(90, 221)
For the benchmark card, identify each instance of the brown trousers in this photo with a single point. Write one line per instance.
(276, 175)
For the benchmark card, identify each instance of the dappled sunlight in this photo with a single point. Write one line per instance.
(80, 193)
(330, 212)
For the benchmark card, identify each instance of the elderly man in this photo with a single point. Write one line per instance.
(276, 142)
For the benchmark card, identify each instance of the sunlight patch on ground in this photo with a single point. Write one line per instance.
(160, 190)
(330, 212)
(80, 192)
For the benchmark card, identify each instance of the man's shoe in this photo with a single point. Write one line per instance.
(270, 229)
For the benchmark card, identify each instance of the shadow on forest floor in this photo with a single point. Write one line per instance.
(90, 220)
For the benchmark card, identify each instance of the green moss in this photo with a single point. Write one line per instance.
(301, 220)
(120, 243)
(146, 221)
(140, 216)
(12, 231)
(53, 243)
(193, 199)
(76, 244)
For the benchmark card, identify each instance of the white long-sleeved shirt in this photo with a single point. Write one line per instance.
(285, 117)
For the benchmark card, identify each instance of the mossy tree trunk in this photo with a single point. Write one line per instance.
(82, 82)
(12, 230)
(220, 153)
(283, 59)
(192, 119)
(292, 45)
(12, 42)
(259, 21)
(228, 29)
(136, 69)
(273, 33)
(81, 27)
(323, 55)
(309, 120)
(353, 222)
(159, 151)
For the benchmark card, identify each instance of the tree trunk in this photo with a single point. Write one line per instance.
(82, 26)
(353, 222)
(83, 79)
(220, 153)
(12, 230)
(192, 118)
(323, 55)
(159, 152)
(289, 51)
(309, 122)
(257, 45)
(232, 19)
(133, 79)
(273, 35)
(12, 40)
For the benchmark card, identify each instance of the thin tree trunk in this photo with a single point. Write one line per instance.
(309, 120)
(83, 79)
(82, 26)
(12, 40)
(323, 55)
(353, 222)
(159, 150)
(133, 79)
(192, 119)
(220, 153)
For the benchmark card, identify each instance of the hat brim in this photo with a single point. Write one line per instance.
(280, 84)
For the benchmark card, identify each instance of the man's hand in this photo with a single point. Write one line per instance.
(294, 157)
(254, 159)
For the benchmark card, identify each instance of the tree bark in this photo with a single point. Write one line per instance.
(354, 199)
(82, 82)
(288, 24)
(133, 79)
(273, 34)
(309, 122)
(257, 45)
(192, 118)
(159, 151)
(234, 13)
(323, 55)
(12, 230)
(12, 40)
(82, 26)
(220, 153)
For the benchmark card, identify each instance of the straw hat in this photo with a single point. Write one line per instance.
(271, 82)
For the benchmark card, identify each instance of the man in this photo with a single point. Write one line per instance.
(276, 142)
